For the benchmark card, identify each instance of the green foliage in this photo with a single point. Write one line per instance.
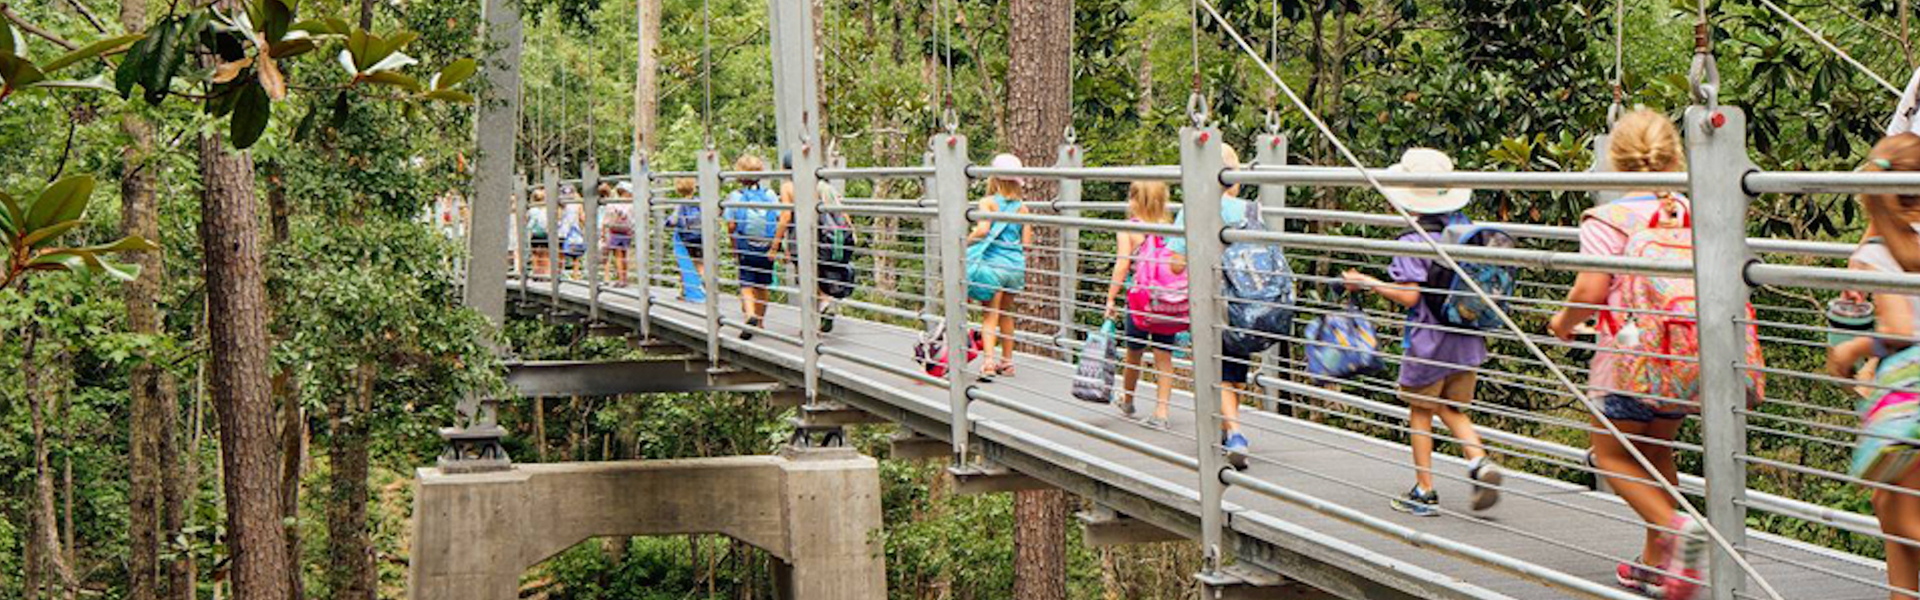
(31, 232)
(18, 72)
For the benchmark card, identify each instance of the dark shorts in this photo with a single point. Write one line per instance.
(619, 241)
(756, 270)
(539, 243)
(1627, 408)
(694, 251)
(1234, 367)
(1137, 338)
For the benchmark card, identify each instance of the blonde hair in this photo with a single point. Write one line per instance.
(1230, 158)
(1889, 215)
(1645, 141)
(749, 162)
(1003, 187)
(685, 187)
(1147, 201)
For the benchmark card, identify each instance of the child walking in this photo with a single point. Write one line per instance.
(1890, 409)
(997, 266)
(753, 230)
(1436, 376)
(1146, 203)
(1643, 141)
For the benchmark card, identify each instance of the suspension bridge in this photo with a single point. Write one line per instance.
(1308, 517)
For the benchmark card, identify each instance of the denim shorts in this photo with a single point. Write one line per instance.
(1620, 407)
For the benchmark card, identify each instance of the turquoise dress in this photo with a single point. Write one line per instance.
(998, 262)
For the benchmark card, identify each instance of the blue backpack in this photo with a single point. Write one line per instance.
(1459, 307)
(685, 223)
(754, 227)
(1344, 345)
(1258, 274)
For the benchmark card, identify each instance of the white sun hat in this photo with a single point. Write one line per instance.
(1426, 200)
(1009, 161)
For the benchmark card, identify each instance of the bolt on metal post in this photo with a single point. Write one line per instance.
(1200, 167)
(709, 173)
(1717, 160)
(950, 193)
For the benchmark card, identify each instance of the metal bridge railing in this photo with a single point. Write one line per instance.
(912, 262)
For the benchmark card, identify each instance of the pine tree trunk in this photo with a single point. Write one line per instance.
(350, 550)
(146, 425)
(1038, 35)
(46, 525)
(238, 379)
(286, 395)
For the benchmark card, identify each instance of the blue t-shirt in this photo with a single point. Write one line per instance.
(1232, 211)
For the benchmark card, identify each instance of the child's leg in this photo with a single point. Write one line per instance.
(1459, 391)
(1626, 478)
(1420, 410)
(1230, 407)
(1005, 300)
(1130, 377)
(1899, 513)
(989, 332)
(1162, 382)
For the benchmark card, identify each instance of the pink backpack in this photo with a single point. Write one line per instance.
(1674, 334)
(1158, 299)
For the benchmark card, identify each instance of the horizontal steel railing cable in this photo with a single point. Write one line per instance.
(1156, 452)
(1446, 258)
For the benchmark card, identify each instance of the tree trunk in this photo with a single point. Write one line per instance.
(540, 428)
(1038, 36)
(646, 86)
(183, 575)
(149, 389)
(1145, 77)
(286, 395)
(239, 379)
(46, 525)
(350, 550)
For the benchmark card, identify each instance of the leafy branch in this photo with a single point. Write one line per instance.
(30, 234)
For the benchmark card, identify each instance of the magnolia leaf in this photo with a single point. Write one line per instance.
(398, 41)
(13, 213)
(138, 64)
(293, 46)
(251, 112)
(106, 46)
(225, 72)
(167, 59)
(326, 27)
(346, 62)
(391, 62)
(58, 260)
(16, 72)
(65, 200)
(98, 82)
(455, 73)
(271, 79)
(357, 51)
(48, 233)
(394, 79)
(450, 96)
(11, 42)
(132, 243)
(277, 16)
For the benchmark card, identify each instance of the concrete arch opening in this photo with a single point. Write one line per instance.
(816, 511)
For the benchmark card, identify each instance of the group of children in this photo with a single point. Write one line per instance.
(616, 232)
(1441, 358)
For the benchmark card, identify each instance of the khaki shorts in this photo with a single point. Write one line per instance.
(1457, 388)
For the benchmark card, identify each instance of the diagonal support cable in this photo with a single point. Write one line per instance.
(1822, 40)
(1505, 319)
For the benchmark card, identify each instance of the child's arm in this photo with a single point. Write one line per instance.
(1588, 288)
(1026, 233)
(983, 226)
(1405, 296)
(1121, 266)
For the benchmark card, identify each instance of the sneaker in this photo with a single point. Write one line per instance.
(826, 323)
(1486, 483)
(1417, 503)
(1684, 562)
(1639, 579)
(747, 334)
(1159, 423)
(1125, 405)
(1236, 446)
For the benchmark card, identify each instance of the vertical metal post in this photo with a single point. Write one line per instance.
(1271, 149)
(1069, 246)
(1603, 163)
(806, 213)
(1200, 167)
(550, 181)
(494, 130)
(590, 221)
(1717, 160)
(950, 192)
(709, 170)
(522, 252)
(929, 243)
(640, 269)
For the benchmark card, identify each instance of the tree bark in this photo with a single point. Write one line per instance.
(1039, 33)
(646, 81)
(286, 394)
(238, 382)
(46, 526)
(350, 549)
(149, 387)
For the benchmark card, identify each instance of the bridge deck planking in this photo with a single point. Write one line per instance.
(1363, 472)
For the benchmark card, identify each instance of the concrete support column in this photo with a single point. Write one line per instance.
(816, 510)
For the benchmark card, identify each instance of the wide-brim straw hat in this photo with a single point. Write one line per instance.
(1008, 161)
(1427, 200)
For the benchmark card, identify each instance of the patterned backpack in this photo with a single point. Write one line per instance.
(1259, 291)
(1158, 299)
(1660, 324)
(931, 350)
(1343, 345)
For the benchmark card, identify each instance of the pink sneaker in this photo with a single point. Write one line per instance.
(1641, 580)
(1684, 562)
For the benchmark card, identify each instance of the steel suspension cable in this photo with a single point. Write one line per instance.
(706, 70)
(1506, 320)
(1822, 40)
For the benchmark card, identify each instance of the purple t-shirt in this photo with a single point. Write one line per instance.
(1462, 349)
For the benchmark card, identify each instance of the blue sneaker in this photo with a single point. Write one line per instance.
(1236, 446)
(1417, 503)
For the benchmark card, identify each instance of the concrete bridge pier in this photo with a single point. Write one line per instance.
(815, 509)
